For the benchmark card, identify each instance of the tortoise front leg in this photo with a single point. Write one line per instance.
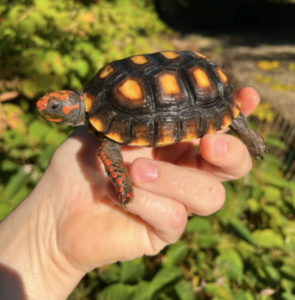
(253, 141)
(111, 157)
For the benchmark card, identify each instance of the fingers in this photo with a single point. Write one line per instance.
(224, 156)
(201, 193)
(167, 217)
(248, 98)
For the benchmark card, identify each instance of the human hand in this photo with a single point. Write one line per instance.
(93, 231)
(85, 225)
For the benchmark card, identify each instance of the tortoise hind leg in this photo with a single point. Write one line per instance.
(111, 157)
(253, 141)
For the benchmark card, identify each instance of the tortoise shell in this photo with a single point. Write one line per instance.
(160, 99)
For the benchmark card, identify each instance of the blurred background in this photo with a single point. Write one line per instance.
(246, 251)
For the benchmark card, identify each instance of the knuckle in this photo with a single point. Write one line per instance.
(177, 217)
(145, 199)
(183, 183)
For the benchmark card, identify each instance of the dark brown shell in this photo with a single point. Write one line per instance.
(160, 99)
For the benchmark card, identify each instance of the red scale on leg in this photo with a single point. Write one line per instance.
(112, 160)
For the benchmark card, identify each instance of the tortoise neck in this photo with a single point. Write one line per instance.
(81, 120)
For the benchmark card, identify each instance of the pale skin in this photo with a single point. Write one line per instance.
(72, 221)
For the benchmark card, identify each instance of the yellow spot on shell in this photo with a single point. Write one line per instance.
(202, 78)
(97, 124)
(169, 84)
(235, 111)
(226, 121)
(200, 55)
(139, 142)
(165, 141)
(166, 137)
(238, 103)
(170, 54)
(106, 72)
(190, 135)
(211, 129)
(221, 75)
(88, 101)
(131, 90)
(114, 136)
(139, 59)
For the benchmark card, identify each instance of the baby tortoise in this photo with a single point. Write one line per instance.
(151, 100)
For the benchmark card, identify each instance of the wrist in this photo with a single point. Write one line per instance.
(29, 250)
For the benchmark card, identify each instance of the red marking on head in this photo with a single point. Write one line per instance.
(61, 95)
(124, 200)
(103, 157)
(111, 169)
(122, 166)
(54, 120)
(66, 109)
(42, 103)
(124, 175)
(119, 181)
(114, 175)
(120, 189)
(128, 195)
(101, 153)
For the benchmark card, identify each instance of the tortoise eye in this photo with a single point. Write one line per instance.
(54, 105)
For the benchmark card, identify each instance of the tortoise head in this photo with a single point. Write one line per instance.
(63, 107)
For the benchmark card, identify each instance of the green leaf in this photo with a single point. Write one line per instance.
(271, 194)
(16, 182)
(243, 295)
(27, 26)
(267, 238)
(207, 240)
(110, 273)
(287, 296)
(132, 271)
(198, 224)
(176, 253)
(164, 277)
(219, 291)
(253, 205)
(81, 67)
(185, 291)
(288, 285)
(242, 229)
(29, 88)
(39, 130)
(143, 291)
(245, 249)
(230, 263)
(117, 291)
(55, 138)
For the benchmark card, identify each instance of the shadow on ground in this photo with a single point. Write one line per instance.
(242, 22)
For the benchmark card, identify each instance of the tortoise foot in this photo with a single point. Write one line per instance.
(111, 157)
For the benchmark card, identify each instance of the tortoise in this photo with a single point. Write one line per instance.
(151, 100)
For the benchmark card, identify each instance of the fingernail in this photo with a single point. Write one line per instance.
(147, 171)
(220, 146)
